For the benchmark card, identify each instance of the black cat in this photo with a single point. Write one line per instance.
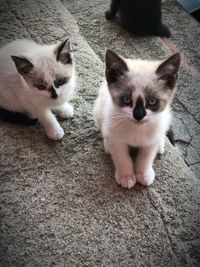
(141, 17)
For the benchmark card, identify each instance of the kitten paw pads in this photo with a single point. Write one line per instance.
(66, 112)
(145, 179)
(127, 181)
(56, 134)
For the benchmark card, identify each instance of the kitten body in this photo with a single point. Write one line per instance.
(133, 110)
(36, 80)
(142, 17)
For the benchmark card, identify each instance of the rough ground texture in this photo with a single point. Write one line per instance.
(60, 205)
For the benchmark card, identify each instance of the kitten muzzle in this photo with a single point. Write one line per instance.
(139, 113)
(53, 93)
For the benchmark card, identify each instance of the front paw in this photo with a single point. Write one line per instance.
(126, 181)
(109, 15)
(55, 134)
(145, 178)
(106, 148)
(66, 112)
(161, 150)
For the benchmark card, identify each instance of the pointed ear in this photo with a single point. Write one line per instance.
(63, 52)
(115, 66)
(168, 70)
(23, 65)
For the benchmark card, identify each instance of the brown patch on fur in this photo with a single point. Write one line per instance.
(63, 52)
(163, 96)
(115, 67)
(34, 78)
(23, 65)
(168, 70)
(121, 87)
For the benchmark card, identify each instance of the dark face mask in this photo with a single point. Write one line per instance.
(53, 93)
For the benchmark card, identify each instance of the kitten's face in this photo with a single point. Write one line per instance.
(47, 75)
(141, 89)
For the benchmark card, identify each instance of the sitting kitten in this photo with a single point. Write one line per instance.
(132, 110)
(35, 82)
(141, 17)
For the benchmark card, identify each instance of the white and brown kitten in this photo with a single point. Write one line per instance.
(133, 110)
(37, 81)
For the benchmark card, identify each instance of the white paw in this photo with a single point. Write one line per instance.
(161, 150)
(55, 134)
(145, 178)
(66, 112)
(106, 147)
(126, 181)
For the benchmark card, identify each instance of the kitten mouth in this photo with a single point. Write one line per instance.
(140, 122)
(137, 122)
(55, 98)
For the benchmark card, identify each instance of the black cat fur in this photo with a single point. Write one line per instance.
(141, 17)
(16, 117)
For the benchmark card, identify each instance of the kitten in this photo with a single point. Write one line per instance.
(37, 81)
(142, 17)
(133, 110)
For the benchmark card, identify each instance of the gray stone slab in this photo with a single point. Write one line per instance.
(60, 205)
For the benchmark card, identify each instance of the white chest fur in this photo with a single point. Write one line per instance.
(135, 134)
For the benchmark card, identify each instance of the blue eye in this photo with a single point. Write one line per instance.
(126, 99)
(41, 86)
(153, 101)
(60, 82)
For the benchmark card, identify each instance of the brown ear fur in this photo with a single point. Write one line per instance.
(168, 70)
(115, 66)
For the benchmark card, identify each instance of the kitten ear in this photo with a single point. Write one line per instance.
(168, 70)
(23, 65)
(63, 52)
(115, 66)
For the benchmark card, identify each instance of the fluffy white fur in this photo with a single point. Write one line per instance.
(17, 94)
(120, 130)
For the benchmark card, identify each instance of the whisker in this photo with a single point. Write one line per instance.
(116, 126)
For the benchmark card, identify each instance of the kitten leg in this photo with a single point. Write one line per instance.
(65, 111)
(161, 148)
(51, 125)
(110, 14)
(162, 31)
(124, 173)
(106, 146)
(144, 170)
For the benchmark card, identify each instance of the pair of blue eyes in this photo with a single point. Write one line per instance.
(57, 83)
(126, 99)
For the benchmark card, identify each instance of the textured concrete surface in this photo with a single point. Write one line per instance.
(60, 205)
(101, 34)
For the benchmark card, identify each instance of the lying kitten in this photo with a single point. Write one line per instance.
(132, 109)
(35, 82)
(142, 17)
